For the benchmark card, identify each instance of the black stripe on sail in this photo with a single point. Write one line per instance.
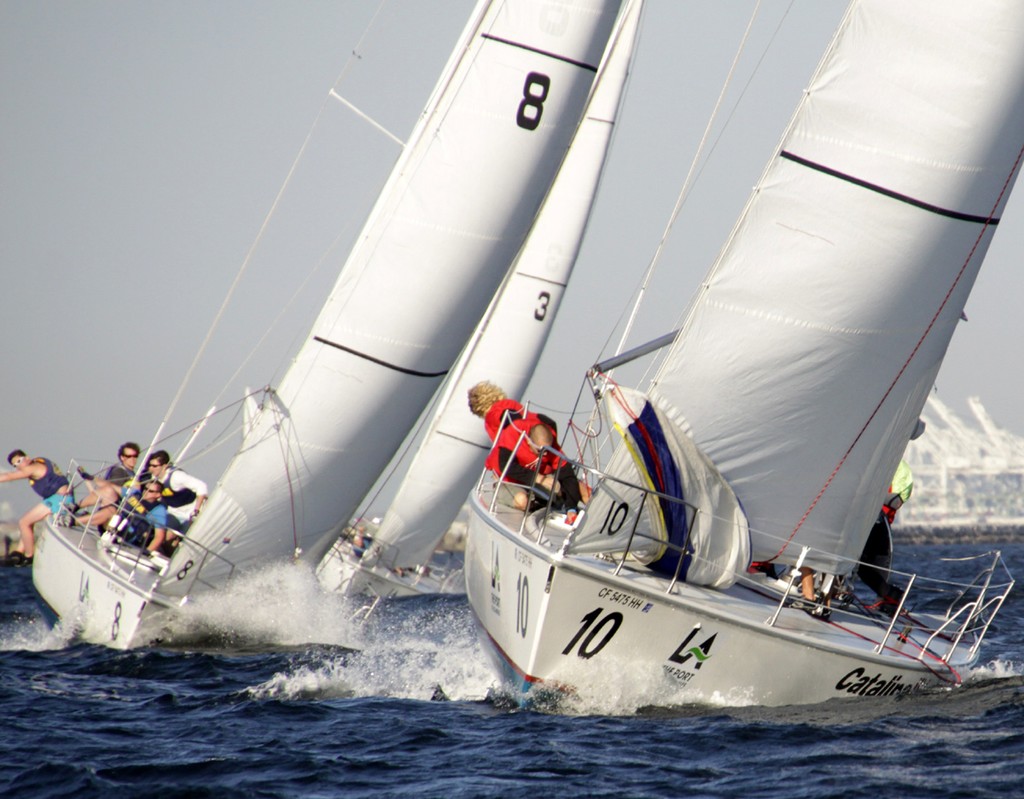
(981, 220)
(378, 361)
(556, 56)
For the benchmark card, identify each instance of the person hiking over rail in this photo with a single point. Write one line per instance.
(48, 482)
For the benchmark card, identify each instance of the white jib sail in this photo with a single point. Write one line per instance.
(508, 343)
(703, 539)
(437, 244)
(815, 340)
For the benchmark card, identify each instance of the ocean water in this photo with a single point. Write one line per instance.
(273, 690)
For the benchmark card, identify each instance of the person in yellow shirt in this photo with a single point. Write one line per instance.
(876, 559)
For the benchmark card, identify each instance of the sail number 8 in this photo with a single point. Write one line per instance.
(535, 92)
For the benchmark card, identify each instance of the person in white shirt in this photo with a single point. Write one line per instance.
(184, 495)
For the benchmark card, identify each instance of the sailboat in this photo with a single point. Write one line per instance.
(758, 456)
(437, 245)
(504, 349)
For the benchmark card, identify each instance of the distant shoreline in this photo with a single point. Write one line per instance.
(959, 534)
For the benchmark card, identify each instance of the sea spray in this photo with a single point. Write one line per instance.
(30, 633)
(415, 648)
(281, 605)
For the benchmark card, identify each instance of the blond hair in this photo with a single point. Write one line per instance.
(482, 396)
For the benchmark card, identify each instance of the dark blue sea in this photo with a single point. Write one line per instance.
(273, 690)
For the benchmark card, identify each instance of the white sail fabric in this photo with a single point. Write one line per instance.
(511, 337)
(436, 246)
(811, 348)
(707, 528)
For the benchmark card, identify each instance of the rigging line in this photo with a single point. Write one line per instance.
(277, 319)
(913, 354)
(425, 427)
(366, 118)
(687, 183)
(260, 233)
(402, 459)
(290, 481)
(217, 412)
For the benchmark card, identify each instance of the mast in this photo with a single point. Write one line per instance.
(437, 244)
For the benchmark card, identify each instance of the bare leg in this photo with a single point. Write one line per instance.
(105, 498)
(26, 523)
(807, 583)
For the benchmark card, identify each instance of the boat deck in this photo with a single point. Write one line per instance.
(756, 600)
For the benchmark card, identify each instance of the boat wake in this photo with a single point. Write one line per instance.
(28, 632)
(276, 608)
(417, 648)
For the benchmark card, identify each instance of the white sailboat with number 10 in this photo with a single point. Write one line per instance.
(763, 447)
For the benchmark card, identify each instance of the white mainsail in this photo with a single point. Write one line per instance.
(508, 343)
(783, 406)
(439, 241)
(812, 346)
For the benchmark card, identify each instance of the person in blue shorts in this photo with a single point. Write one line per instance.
(51, 485)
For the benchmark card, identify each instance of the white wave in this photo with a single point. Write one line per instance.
(33, 634)
(410, 650)
(996, 670)
(282, 605)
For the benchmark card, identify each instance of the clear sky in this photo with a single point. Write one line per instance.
(143, 144)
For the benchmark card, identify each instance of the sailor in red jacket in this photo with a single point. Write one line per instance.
(519, 453)
(489, 402)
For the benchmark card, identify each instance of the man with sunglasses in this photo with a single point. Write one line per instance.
(145, 515)
(135, 514)
(123, 471)
(184, 494)
(102, 503)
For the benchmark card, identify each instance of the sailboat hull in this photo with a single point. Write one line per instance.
(575, 626)
(341, 571)
(104, 594)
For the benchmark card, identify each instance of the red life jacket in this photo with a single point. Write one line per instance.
(514, 437)
(500, 414)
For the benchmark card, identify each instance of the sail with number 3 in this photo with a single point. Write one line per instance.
(437, 245)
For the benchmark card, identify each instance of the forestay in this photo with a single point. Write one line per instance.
(436, 246)
(815, 340)
(507, 345)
